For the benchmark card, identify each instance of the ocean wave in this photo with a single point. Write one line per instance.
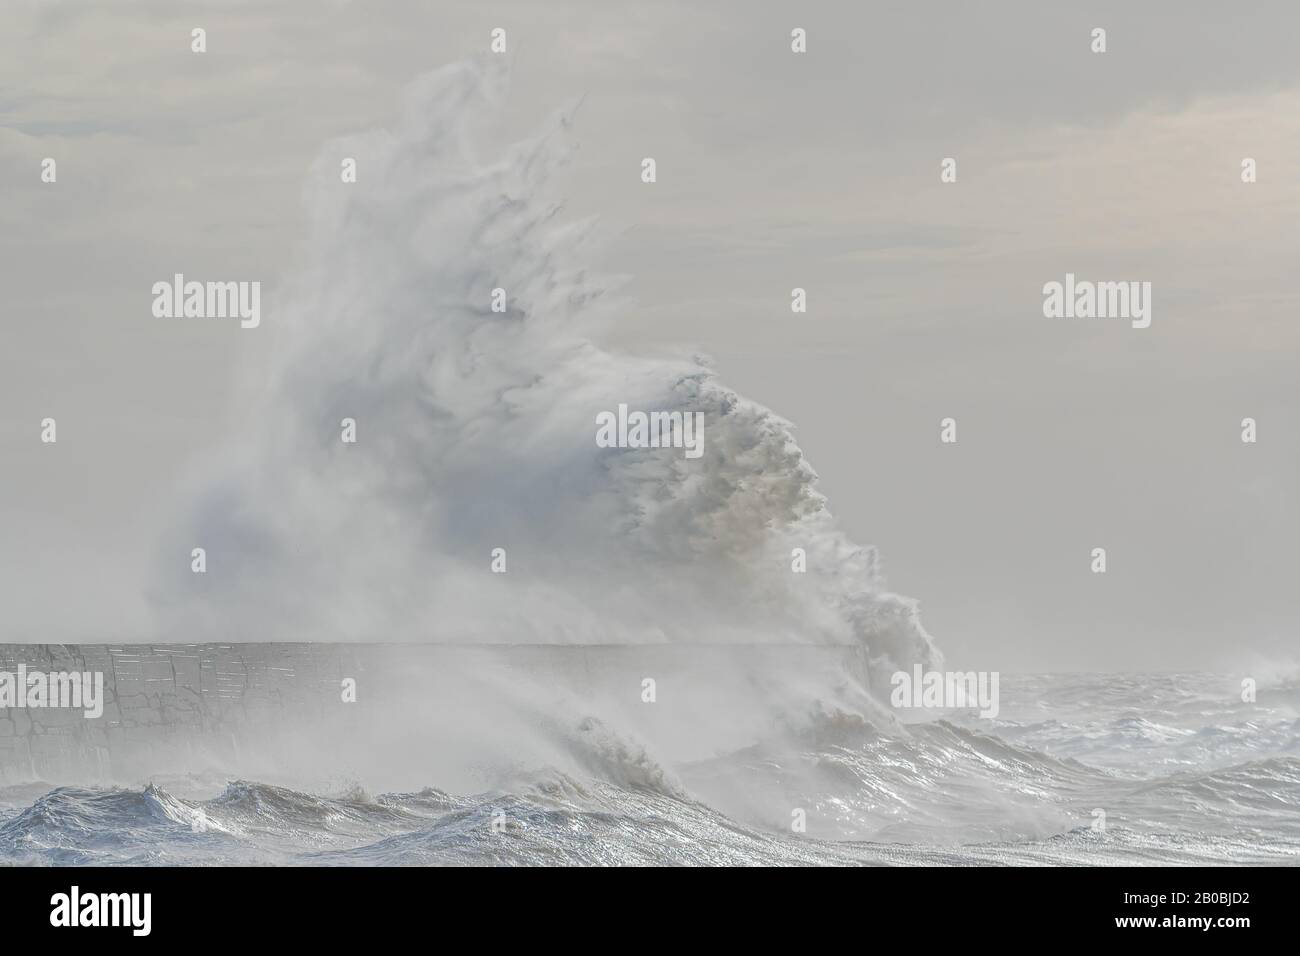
(477, 431)
(934, 794)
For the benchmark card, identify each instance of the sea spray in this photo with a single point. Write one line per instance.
(473, 433)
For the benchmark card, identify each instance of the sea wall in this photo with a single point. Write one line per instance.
(163, 702)
(184, 708)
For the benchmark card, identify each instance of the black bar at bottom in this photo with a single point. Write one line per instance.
(334, 905)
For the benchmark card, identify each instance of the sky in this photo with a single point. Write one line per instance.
(775, 170)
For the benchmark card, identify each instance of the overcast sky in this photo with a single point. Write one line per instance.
(775, 170)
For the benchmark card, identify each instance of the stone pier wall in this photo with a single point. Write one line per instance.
(161, 699)
(186, 708)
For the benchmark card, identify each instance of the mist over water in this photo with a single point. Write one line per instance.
(476, 431)
(1182, 773)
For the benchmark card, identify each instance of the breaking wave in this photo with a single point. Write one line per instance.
(475, 431)
(921, 794)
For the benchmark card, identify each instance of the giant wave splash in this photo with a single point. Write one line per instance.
(475, 431)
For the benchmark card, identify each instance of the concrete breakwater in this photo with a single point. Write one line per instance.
(182, 708)
(161, 701)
